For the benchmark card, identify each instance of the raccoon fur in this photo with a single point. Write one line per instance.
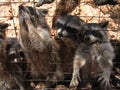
(93, 53)
(38, 45)
(9, 79)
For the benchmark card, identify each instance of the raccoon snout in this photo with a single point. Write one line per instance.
(60, 34)
(87, 38)
(90, 38)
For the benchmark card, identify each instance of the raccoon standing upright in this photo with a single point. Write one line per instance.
(38, 45)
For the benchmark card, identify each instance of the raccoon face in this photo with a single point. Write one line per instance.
(96, 32)
(68, 26)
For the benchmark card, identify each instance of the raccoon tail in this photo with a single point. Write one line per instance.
(64, 7)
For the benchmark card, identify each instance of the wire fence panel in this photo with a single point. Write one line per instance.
(88, 11)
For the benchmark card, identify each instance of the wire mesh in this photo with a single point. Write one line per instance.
(86, 10)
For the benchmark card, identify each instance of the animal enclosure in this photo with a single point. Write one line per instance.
(87, 10)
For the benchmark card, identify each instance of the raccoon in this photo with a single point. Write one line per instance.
(93, 51)
(96, 51)
(8, 79)
(38, 45)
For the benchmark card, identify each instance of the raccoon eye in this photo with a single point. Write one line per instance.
(97, 34)
(58, 25)
(90, 39)
(86, 39)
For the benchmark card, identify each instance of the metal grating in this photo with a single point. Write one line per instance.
(86, 10)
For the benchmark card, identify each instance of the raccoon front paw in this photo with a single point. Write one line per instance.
(4, 85)
(75, 81)
(104, 80)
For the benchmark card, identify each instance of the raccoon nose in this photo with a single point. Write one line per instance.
(60, 33)
(87, 38)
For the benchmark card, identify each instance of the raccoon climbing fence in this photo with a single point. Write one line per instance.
(21, 67)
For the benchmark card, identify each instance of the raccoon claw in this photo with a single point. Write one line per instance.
(104, 80)
(75, 82)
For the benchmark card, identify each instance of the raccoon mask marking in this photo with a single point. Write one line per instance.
(96, 32)
(68, 26)
(41, 2)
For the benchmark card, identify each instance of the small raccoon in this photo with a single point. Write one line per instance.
(93, 50)
(8, 79)
(104, 2)
(96, 51)
(38, 45)
(15, 55)
(41, 2)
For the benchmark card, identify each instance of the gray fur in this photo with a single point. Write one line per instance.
(93, 53)
(10, 75)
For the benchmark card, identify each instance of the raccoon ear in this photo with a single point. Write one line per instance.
(104, 24)
(84, 26)
(44, 11)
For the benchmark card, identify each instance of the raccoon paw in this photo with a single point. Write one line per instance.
(75, 81)
(4, 85)
(104, 80)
